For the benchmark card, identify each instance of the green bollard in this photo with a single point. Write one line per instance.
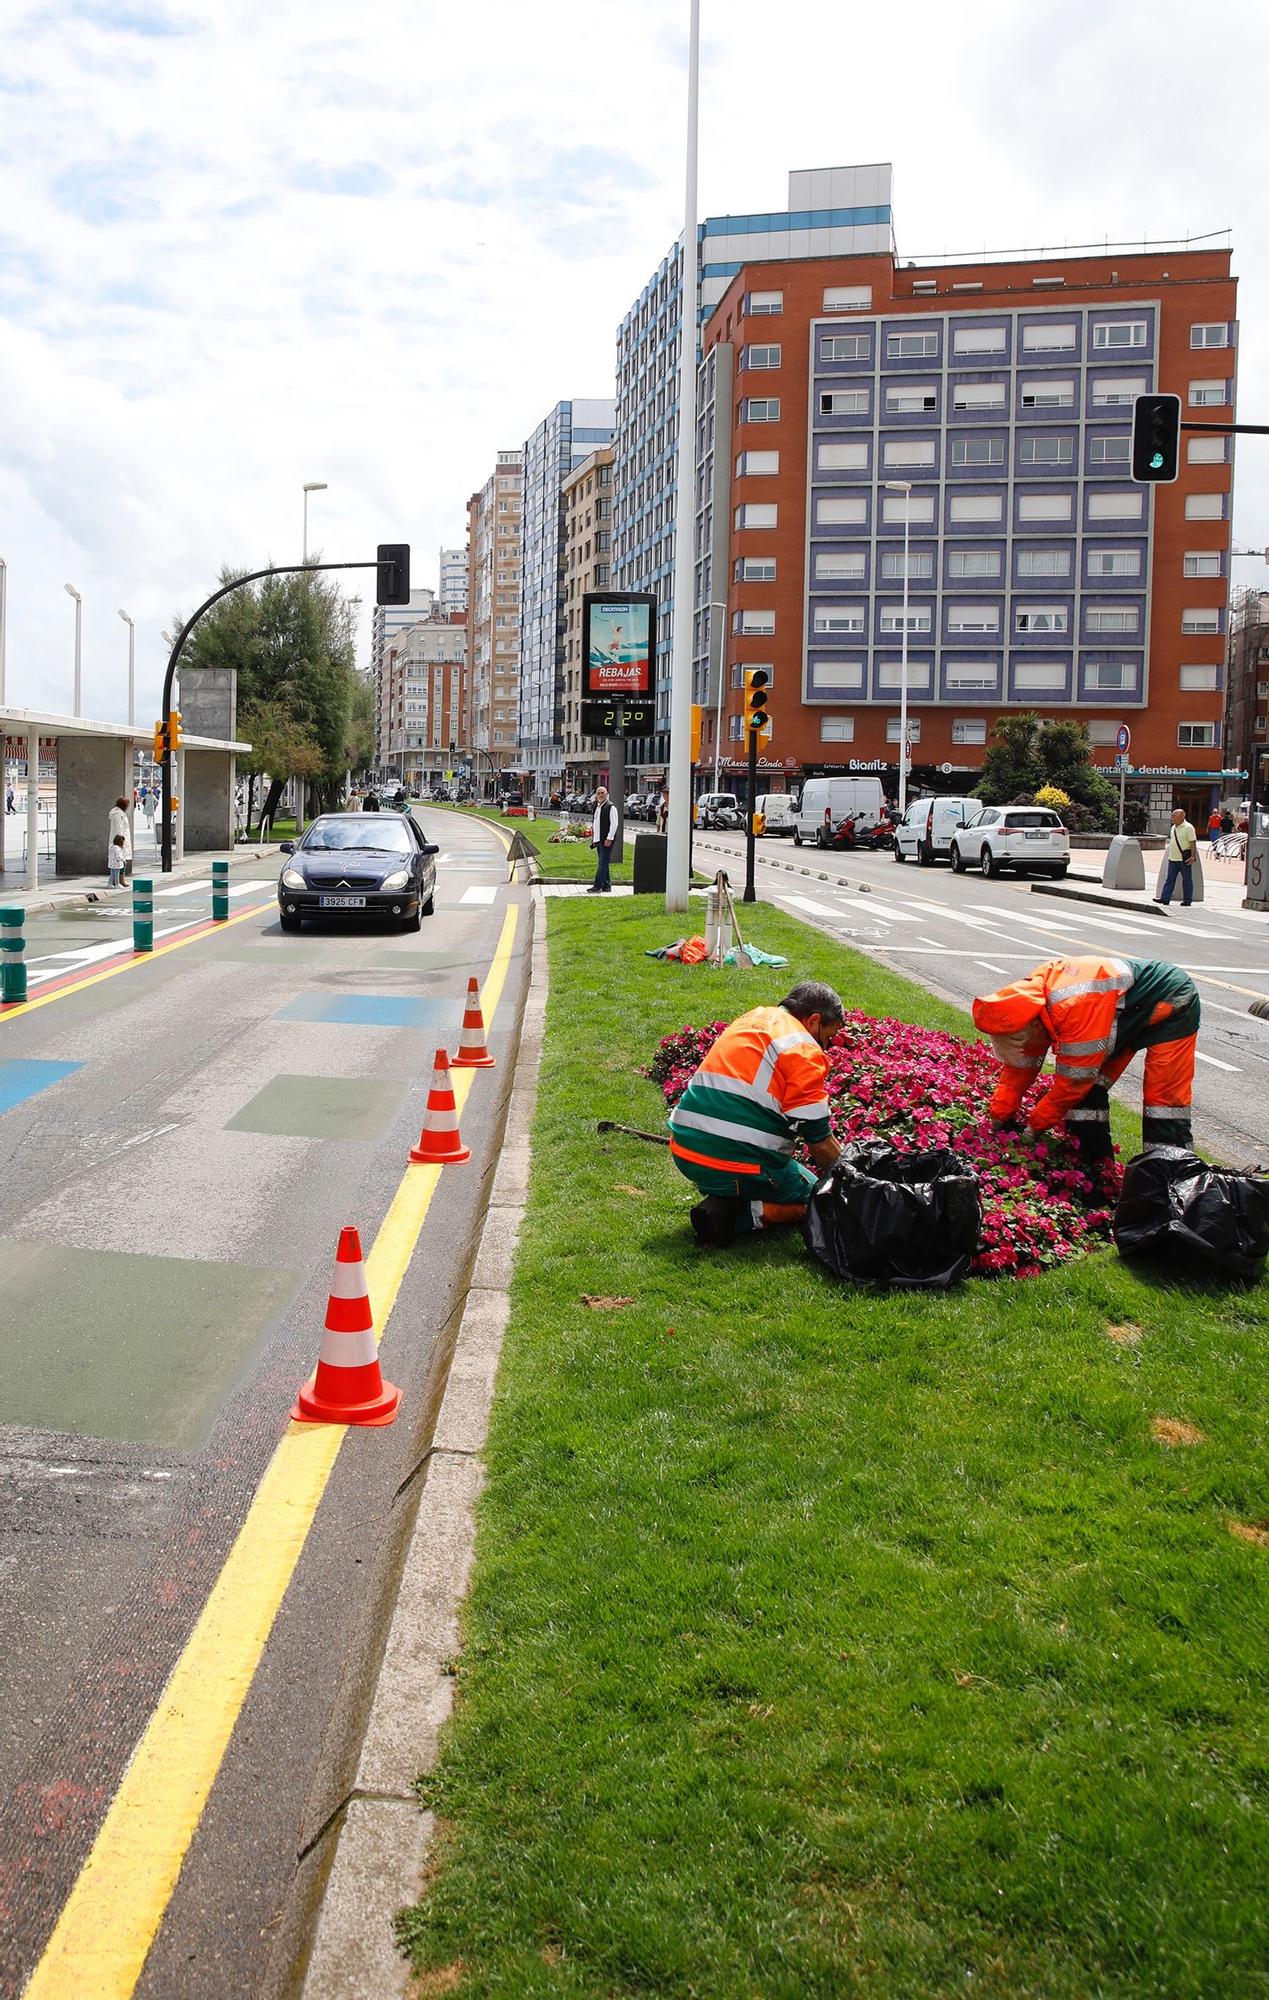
(220, 892)
(12, 957)
(142, 913)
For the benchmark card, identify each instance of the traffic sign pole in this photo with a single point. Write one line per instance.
(1123, 743)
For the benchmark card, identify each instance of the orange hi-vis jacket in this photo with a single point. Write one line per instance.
(1094, 1013)
(761, 1088)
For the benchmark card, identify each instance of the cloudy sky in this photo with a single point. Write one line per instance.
(245, 246)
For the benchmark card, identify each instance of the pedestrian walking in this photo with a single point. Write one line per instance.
(1182, 847)
(115, 860)
(663, 811)
(9, 805)
(1214, 826)
(1093, 1014)
(1227, 821)
(118, 824)
(149, 804)
(761, 1091)
(602, 835)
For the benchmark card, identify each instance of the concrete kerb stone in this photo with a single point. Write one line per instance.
(80, 899)
(383, 1835)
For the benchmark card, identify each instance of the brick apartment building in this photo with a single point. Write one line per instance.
(587, 541)
(1039, 575)
(494, 521)
(423, 678)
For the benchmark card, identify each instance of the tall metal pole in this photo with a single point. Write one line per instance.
(4, 598)
(717, 605)
(132, 669)
(751, 894)
(905, 487)
(79, 612)
(678, 848)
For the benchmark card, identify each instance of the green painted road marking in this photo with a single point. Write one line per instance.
(321, 1107)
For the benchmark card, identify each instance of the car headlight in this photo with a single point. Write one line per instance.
(292, 879)
(399, 879)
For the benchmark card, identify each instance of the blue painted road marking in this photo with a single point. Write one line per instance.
(20, 1079)
(373, 1010)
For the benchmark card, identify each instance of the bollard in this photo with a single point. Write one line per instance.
(12, 957)
(142, 913)
(220, 892)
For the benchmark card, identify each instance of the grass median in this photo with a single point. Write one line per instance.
(823, 1642)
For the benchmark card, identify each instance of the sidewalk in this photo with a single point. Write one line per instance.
(65, 892)
(1223, 891)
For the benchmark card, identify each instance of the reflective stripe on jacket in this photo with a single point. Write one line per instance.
(762, 1088)
(1076, 1001)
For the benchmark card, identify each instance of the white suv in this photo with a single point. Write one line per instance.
(1019, 837)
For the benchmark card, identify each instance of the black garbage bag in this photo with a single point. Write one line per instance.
(1175, 1204)
(883, 1217)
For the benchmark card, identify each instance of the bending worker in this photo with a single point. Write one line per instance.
(761, 1090)
(1095, 1013)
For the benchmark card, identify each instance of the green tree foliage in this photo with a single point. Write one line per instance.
(1028, 754)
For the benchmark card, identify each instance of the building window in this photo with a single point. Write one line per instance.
(830, 512)
(756, 569)
(1208, 394)
(844, 403)
(1044, 562)
(1046, 392)
(971, 674)
(1199, 562)
(1205, 506)
(918, 619)
(892, 728)
(1198, 622)
(1042, 450)
(841, 566)
(756, 514)
(1112, 618)
(978, 451)
(1109, 451)
(754, 624)
(760, 410)
(911, 399)
(1046, 339)
(842, 457)
(975, 507)
(969, 729)
(1112, 333)
(963, 563)
(1117, 392)
(760, 357)
(978, 396)
(908, 452)
(846, 347)
(919, 508)
(1041, 618)
(1041, 675)
(1199, 680)
(1115, 506)
(1114, 562)
(839, 618)
(1111, 677)
(754, 464)
(979, 339)
(1198, 735)
(920, 563)
(837, 729)
(911, 346)
(1210, 333)
(1206, 450)
(973, 618)
(846, 674)
(765, 302)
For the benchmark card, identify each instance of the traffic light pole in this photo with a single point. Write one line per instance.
(169, 679)
(750, 895)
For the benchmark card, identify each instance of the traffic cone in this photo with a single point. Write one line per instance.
(472, 1052)
(347, 1387)
(440, 1143)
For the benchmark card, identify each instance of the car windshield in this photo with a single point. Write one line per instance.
(370, 836)
(1032, 819)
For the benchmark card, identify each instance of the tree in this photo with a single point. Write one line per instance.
(1012, 763)
(1029, 754)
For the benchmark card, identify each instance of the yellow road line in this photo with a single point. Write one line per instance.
(111, 1917)
(129, 964)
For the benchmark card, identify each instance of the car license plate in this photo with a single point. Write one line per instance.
(1040, 834)
(342, 902)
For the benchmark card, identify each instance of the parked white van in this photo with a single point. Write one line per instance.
(777, 808)
(827, 805)
(929, 826)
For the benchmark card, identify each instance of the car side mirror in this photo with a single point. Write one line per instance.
(430, 847)
(287, 847)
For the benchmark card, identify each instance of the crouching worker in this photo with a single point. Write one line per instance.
(1095, 1013)
(761, 1090)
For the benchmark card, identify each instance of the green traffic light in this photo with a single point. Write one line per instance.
(1156, 461)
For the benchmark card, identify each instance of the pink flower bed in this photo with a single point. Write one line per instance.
(919, 1088)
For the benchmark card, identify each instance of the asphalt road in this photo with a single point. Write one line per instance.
(959, 935)
(180, 1144)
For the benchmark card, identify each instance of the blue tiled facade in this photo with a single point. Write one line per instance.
(567, 435)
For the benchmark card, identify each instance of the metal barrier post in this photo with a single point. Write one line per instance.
(12, 957)
(220, 892)
(142, 913)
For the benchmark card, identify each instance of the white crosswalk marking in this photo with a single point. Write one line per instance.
(987, 966)
(183, 889)
(1215, 1062)
(249, 888)
(478, 893)
(811, 907)
(886, 911)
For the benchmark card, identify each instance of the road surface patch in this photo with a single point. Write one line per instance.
(321, 1107)
(23, 1077)
(373, 1010)
(102, 1343)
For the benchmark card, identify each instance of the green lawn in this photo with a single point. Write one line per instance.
(823, 1643)
(573, 862)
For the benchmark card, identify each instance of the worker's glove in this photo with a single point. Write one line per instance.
(1006, 1123)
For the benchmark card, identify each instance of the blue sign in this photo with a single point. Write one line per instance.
(1123, 739)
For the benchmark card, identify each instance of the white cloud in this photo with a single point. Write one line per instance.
(241, 247)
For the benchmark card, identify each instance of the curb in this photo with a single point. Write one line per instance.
(384, 1835)
(83, 898)
(1103, 896)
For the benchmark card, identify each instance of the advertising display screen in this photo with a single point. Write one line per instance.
(618, 646)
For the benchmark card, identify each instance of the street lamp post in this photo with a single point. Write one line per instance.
(679, 845)
(4, 595)
(310, 486)
(132, 669)
(79, 614)
(903, 486)
(715, 605)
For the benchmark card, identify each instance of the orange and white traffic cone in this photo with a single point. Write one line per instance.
(347, 1387)
(440, 1143)
(472, 1051)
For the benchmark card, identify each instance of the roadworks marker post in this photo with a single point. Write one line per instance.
(12, 956)
(220, 892)
(347, 1386)
(142, 913)
(440, 1143)
(473, 1052)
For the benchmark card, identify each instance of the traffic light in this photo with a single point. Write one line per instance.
(393, 576)
(160, 741)
(174, 730)
(757, 681)
(1156, 438)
